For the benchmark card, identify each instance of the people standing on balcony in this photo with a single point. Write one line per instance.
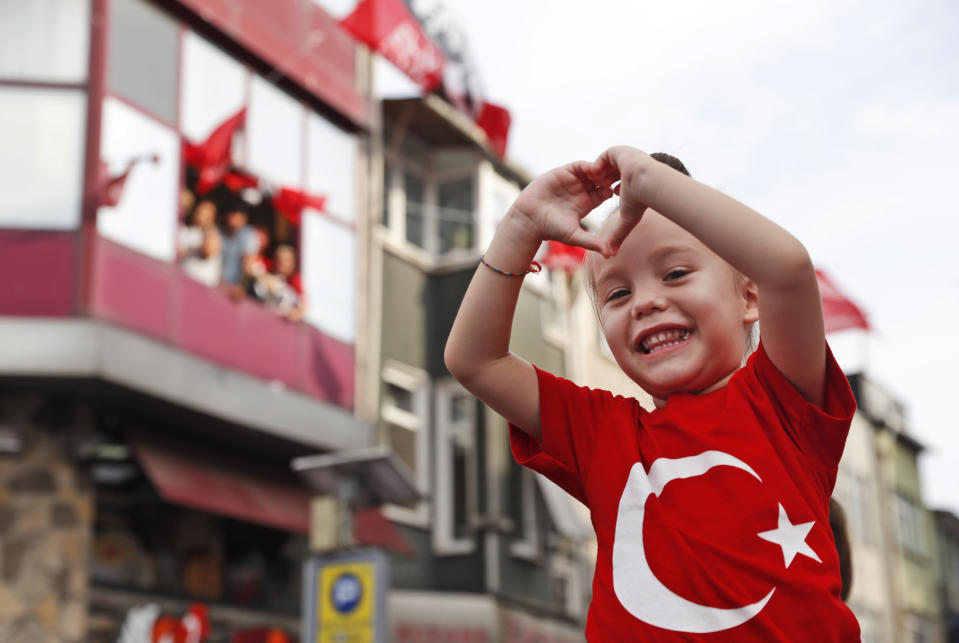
(240, 248)
(206, 263)
(279, 289)
(712, 511)
(200, 220)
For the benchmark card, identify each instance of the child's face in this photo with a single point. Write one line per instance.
(674, 313)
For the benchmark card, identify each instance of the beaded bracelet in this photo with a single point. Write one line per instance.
(533, 268)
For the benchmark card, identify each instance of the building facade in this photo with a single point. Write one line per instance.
(502, 548)
(900, 534)
(147, 419)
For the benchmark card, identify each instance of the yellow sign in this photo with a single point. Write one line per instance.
(346, 603)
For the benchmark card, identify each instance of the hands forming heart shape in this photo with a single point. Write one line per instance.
(558, 200)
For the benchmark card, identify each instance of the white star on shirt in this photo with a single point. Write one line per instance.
(792, 538)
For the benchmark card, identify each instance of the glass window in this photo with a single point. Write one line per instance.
(45, 40)
(388, 171)
(456, 220)
(213, 89)
(911, 531)
(523, 512)
(41, 159)
(332, 166)
(329, 276)
(403, 441)
(274, 132)
(399, 397)
(146, 217)
(460, 427)
(415, 191)
(404, 414)
(143, 56)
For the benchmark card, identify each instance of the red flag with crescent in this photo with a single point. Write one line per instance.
(388, 27)
(838, 311)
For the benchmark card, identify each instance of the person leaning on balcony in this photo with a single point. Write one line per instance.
(201, 219)
(206, 263)
(240, 246)
(280, 290)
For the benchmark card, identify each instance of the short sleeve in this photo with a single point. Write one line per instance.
(569, 416)
(820, 433)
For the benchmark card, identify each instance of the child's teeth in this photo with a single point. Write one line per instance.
(664, 339)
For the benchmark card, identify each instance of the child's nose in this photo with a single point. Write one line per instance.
(648, 303)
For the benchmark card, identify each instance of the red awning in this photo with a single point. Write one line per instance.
(248, 491)
(225, 487)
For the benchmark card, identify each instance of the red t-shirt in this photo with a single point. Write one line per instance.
(712, 513)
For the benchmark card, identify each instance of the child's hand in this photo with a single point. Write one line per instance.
(556, 202)
(626, 165)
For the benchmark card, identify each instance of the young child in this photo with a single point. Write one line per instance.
(711, 512)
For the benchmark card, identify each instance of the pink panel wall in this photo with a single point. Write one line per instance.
(155, 298)
(131, 289)
(37, 273)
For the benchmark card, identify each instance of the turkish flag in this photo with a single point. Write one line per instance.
(111, 187)
(560, 256)
(388, 27)
(838, 312)
(495, 121)
(290, 203)
(211, 158)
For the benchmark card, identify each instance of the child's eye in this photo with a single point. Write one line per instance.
(616, 294)
(676, 273)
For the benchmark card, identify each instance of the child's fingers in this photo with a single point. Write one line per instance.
(588, 240)
(621, 229)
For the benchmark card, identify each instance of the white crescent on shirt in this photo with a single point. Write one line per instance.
(638, 589)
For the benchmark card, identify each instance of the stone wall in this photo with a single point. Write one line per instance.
(46, 518)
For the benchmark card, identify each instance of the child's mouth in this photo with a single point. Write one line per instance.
(663, 339)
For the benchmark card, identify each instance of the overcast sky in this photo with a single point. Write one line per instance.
(838, 119)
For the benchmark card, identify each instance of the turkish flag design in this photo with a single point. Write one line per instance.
(711, 513)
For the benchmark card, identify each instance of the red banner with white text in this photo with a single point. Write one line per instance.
(388, 27)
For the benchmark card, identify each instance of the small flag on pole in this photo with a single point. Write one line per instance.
(111, 187)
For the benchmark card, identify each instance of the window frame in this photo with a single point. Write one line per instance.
(564, 566)
(417, 383)
(911, 531)
(393, 223)
(444, 527)
(527, 541)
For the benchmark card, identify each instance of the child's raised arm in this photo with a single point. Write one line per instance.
(790, 310)
(477, 351)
